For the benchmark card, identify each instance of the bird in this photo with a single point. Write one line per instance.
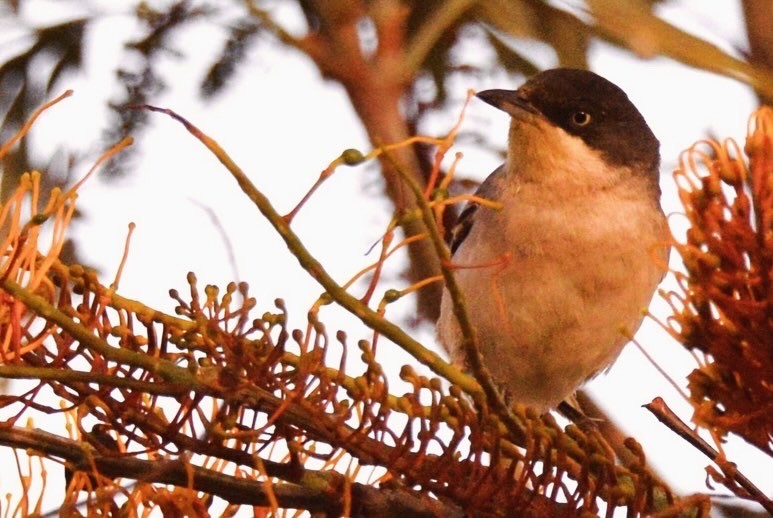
(558, 269)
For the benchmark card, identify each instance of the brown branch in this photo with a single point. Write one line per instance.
(628, 24)
(321, 491)
(494, 398)
(615, 437)
(665, 415)
(70, 376)
(376, 87)
(759, 21)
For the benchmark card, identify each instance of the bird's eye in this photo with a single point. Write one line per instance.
(581, 118)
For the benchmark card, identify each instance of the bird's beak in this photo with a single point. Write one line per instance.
(510, 101)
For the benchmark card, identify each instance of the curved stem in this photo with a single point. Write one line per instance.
(309, 263)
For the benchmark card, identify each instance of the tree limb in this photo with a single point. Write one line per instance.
(319, 491)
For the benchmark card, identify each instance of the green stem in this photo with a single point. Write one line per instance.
(307, 261)
(469, 335)
(15, 371)
(163, 368)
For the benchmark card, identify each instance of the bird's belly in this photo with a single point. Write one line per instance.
(543, 338)
(547, 320)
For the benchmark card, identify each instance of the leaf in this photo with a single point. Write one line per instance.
(20, 76)
(508, 57)
(632, 25)
(241, 35)
(536, 20)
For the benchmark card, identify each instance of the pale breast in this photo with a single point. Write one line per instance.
(552, 283)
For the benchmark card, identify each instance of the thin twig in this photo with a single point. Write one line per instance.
(309, 263)
(70, 376)
(470, 341)
(665, 415)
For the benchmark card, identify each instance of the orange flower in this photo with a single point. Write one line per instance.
(726, 299)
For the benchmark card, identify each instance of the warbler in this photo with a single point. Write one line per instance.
(558, 270)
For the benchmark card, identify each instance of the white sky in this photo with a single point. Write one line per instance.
(282, 125)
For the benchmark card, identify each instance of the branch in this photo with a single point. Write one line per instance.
(376, 85)
(759, 20)
(369, 317)
(637, 29)
(319, 491)
(164, 368)
(70, 376)
(474, 357)
(666, 416)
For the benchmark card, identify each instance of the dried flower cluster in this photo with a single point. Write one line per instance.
(725, 308)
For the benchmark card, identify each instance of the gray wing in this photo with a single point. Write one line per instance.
(463, 226)
(466, 219)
